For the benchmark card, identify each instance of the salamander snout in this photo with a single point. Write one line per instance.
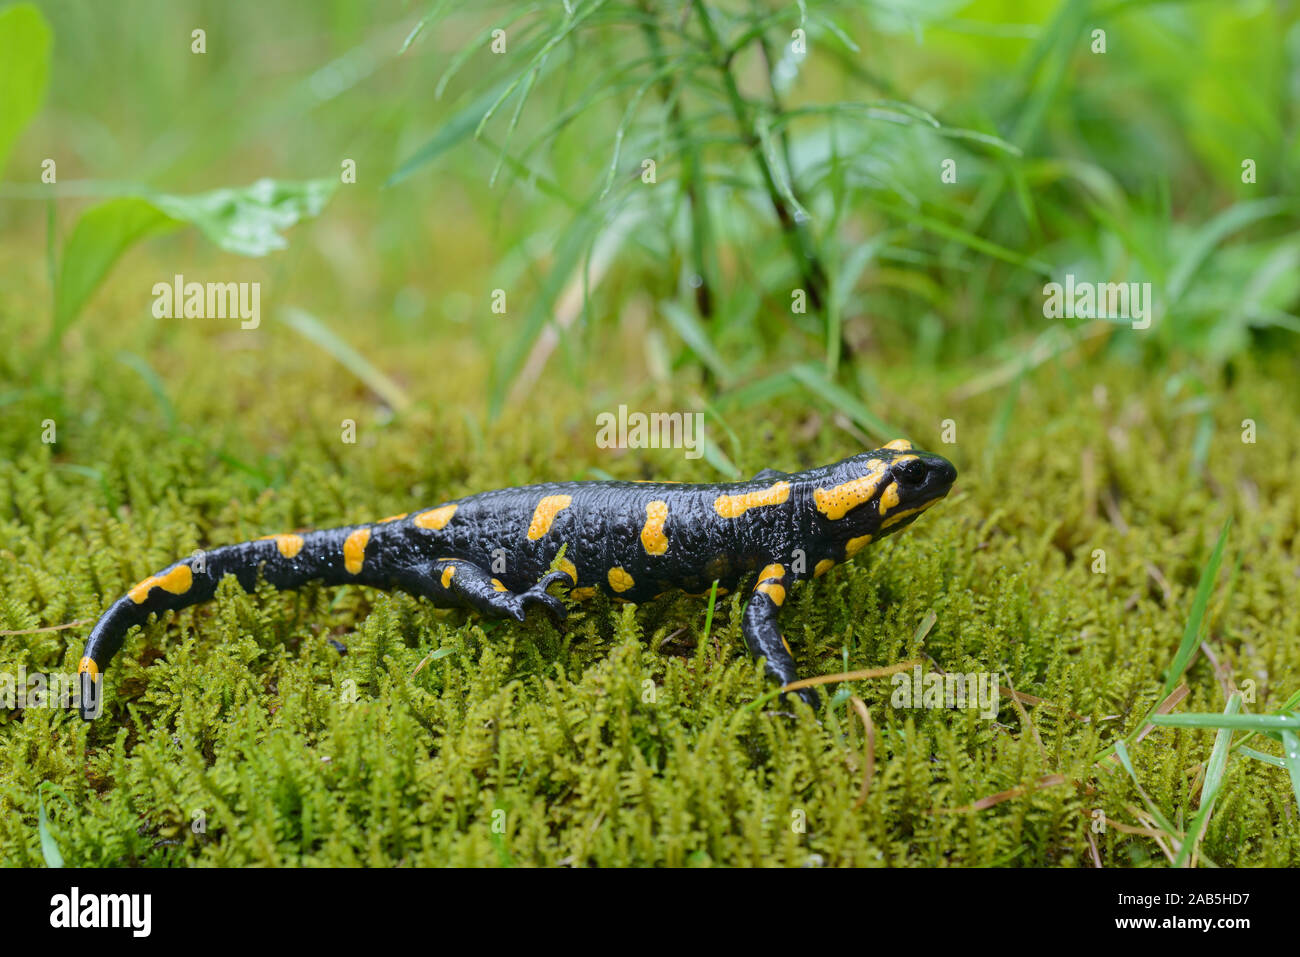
(923, 475)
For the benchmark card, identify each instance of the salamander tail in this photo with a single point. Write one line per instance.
(286, 561)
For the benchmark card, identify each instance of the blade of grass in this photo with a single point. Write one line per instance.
(49, 847)
(1210, 789)
(1264, 723)
(452, 132)
(1122, 752)
(1266, 758)
(815, 382)
(1192, 633)
(1290, 704)
(868, 749)
(430, 658)
(315, 331)
(1214, 232)
(692, 332)
(151, 379)
(1291, 755)
(1186, 648)
(964, 238)
(708, 617)
(574, 244)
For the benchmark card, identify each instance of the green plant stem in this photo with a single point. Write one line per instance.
(696, 203)
(800, 243)
(778, 109)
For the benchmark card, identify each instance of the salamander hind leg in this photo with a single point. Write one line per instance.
(763, 633)
(458, 581)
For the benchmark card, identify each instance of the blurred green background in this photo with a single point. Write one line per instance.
(1122, 166)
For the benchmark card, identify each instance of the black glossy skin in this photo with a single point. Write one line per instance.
(487, 538)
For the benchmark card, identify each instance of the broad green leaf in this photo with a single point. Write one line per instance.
(100, 236)
(24, 69)
(248, 220)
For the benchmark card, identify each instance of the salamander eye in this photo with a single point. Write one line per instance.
(910, 472)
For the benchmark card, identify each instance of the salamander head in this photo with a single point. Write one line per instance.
(879, 492)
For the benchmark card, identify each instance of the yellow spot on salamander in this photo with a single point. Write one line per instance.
(177, 581)
(899, 445)
(289, 545)
(392, 518)
(895, 519)
(569, 569)
(823, 567)
(734, 506)
(773, 591)
(653, 539)
(497, 586)
(620, 580)
(435, 519)
(856, 545)
(786, 644)
(835, 502)
(582, 594)
(544, 514)
(448, 574)
(88, 667)
(772, 571)
(889, 497)
(354, 550)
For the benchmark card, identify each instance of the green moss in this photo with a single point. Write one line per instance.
(623, 738)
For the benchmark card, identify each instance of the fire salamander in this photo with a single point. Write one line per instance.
(494, 551)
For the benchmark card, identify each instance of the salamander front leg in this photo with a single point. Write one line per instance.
(466, 583)
(763, 634)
